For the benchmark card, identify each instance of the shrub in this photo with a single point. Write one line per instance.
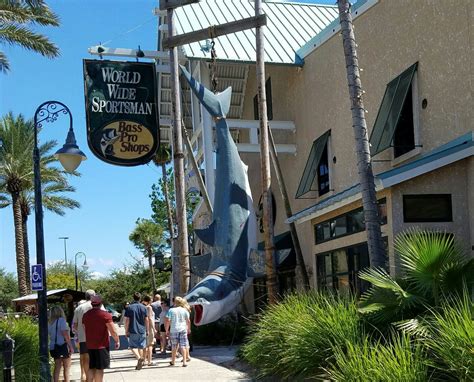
(230, 329)
(451, 338)
(26, 356)
(398, 360)
(295, 337)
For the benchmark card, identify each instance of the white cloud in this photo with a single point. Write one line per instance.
(96, 275)
(106, 262)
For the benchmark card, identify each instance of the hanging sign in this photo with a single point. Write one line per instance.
(121, 111)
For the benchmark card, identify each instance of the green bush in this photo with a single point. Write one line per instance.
(26, 356)
(398, 360)
(296, 336)
(451, 339)
(230, 329)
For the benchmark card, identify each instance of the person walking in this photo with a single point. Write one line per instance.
(78, 328)
(122, 316)
(178, 326)
(164, 310)
(156, 306)
(98, 325)
(150, 338)
(136, 328)
(60, 345)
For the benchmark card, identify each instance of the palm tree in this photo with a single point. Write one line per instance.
(147, 236)
(359, 124)
(17, 17)
(434, 267)
(161, 159)
(17, 179)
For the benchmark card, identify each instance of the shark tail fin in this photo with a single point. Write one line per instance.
(200, 264)
(256, 261)
(216, 104)
(207, 235)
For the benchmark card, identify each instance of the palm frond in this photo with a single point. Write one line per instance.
(380, 278)
(24, 37)
(4, 64)
(418, 327)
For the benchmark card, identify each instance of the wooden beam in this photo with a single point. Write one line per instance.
(252, 124)
(170, 4)
(255, 148)
(215, 31)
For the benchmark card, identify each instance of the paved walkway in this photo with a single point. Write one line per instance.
(206, 365)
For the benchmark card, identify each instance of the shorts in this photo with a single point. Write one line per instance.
(162, 328)
(99, 359)
(150, 338)
(179, 338)
(137, 341)
(82, 348)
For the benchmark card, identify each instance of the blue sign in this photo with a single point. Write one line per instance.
(37, 277)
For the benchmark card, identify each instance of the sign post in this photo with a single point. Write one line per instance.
(37, 277)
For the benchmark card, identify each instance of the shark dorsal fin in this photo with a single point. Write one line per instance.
(216, 104)
(207, 235)
(200, 264)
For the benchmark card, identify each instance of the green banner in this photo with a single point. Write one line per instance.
(121, 111)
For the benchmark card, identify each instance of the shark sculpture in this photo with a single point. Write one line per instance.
(232, 233)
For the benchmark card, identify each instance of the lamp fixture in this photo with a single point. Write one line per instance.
(140, 53)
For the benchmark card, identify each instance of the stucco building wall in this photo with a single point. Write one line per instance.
(391, 36)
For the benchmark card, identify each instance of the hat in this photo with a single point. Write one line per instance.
(89, 294)
(96, 299)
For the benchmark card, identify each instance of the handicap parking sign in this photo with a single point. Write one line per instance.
(37, 277)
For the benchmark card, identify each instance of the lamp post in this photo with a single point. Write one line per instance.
(75, 265)
(65, 251)
(70, 157)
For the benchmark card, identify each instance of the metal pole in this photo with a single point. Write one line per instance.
(47, 111)
(270, 268)
(75, 271)
(178, 157)
(65, 251)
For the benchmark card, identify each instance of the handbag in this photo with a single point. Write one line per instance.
(59, 351)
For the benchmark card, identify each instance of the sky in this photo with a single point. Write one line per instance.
(111, 197)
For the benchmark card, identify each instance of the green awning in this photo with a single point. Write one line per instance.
(389, 111)
(311, 168)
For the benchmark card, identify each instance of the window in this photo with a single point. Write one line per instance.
(323, 173)
(427, 208)
(395, 124)
(347, 224)
(268, 93)
(339, 269)
(316, 169)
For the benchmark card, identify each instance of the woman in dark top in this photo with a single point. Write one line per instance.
(59, 337)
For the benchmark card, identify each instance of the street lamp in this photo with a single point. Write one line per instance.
(65, 251)
(70, 157)
(83, 265)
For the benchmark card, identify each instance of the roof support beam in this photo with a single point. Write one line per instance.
(251, 124)
(255, 148)
(215, 31)
(170, 4)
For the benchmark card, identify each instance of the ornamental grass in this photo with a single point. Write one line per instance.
(26, 356)
(295, 338)
(398, 359)
(451, 339)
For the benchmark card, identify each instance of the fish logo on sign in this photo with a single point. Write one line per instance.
(37, 277)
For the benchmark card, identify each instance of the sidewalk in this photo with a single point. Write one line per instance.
(205, 365)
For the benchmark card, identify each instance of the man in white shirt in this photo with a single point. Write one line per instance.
(78, 328)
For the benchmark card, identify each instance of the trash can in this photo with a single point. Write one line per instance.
(7, 348)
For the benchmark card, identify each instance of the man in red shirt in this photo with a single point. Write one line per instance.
(98, 324)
